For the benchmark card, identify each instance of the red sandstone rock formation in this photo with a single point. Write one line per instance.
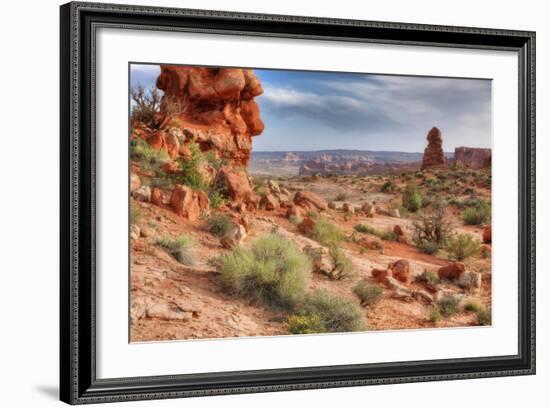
(310, 201)
(400, 270)
(215, 107)
(474, 158)
(433, 153)
(239, 188)
(451, 271)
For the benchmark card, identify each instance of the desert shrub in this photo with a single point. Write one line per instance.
(384, 235)
(362, 228)
(272, 271)
(448, 305)
(462, 246)
(341, 196)
(427, 200)
(219, 224)
(429, 277)
(295, 219)
(343, 265)
(388, 235)
(368, 294)
(434, 315)
(484, 316)
(145, 103)
(190, 168)
(412, 200)
(213, 161)
(473, 305)
(327, 233)
(178, 247)
(305, 324)
(216, 198)
(336, 314)
(477, 215)
(135, 214)
(388, 186)
(427, 246)
(431, 229)
(141, 151)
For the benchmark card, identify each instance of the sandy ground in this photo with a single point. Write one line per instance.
(171, 301)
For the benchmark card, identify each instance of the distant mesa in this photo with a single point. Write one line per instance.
(291, 157)
(474, 158)
(433, 153)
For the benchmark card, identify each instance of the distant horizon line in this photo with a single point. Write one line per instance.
(354, 149)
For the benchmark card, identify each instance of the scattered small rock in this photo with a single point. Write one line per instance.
(135, 232)
(400, 270)
(143, 193)
(135, 182)
(233, 237)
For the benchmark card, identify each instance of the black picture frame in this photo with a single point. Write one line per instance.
(78, 382)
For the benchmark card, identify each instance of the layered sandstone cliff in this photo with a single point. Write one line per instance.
(474, 158)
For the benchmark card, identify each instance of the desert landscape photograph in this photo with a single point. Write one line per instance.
(268, 202)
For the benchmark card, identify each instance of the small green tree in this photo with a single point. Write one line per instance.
(190, 168)
(462, 246)
(432, 229)
(412, 199)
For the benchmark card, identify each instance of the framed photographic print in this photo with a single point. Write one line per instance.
(255, 203)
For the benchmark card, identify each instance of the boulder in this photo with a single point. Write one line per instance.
(157, 196)
(394, 213)
(168, 311)
(451, 271)
(400, 270)
(269, 202)
(135, 182)
(238, 187)
(321, 260)
(135, 232)
(294, 210)
(306, 226)
(398, 231)
(348, 208)
(470, 280)
(401, 292)
(273, 187)
(433, 153)
(204, 201)
(368, 210)
(331, 205)
(310, 200)
(234, 236)
(381, 275)
(424, 296)
(143, 193)
(487, 235)
(185, 202)
(147, 231)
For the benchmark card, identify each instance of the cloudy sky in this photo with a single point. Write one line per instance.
(305, 110)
